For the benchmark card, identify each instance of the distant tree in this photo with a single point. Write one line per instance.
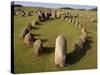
(81, 9)
(67, 8)
(94, 9)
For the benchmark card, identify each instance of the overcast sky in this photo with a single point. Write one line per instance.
(53, 5)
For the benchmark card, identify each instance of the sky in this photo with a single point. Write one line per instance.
(53, 5)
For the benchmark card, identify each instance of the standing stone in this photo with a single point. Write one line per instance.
(85, 35)
(49, 14)
(66, 19)
(43, 17)
(38, 47)
(34, 23)
(62, 16)
(92, 19)
(58, 14)
(24, 32)
(79, 45)
(29, 26)
(76, 23)
(73, 21)
(39, 16)
(60, 51)
(53, 14)
(29, 39)
(83, 38)
(83, 30)
(25, 13)
(69, 20)
(76, 15)
(46, 15)
(30, 13)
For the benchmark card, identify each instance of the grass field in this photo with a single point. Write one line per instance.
(25, 60)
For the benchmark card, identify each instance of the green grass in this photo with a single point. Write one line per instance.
(24, 56)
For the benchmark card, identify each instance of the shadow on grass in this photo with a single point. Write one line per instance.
(77, 54)
(51, 19)
(35, 28)
(89, 32)
(48, 50)
(39, 24)
(36, 34)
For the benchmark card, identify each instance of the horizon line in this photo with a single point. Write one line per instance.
(52, 5)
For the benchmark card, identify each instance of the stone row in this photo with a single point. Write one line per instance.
(60, 45)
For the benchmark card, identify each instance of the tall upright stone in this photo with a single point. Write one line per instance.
(60, 51)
